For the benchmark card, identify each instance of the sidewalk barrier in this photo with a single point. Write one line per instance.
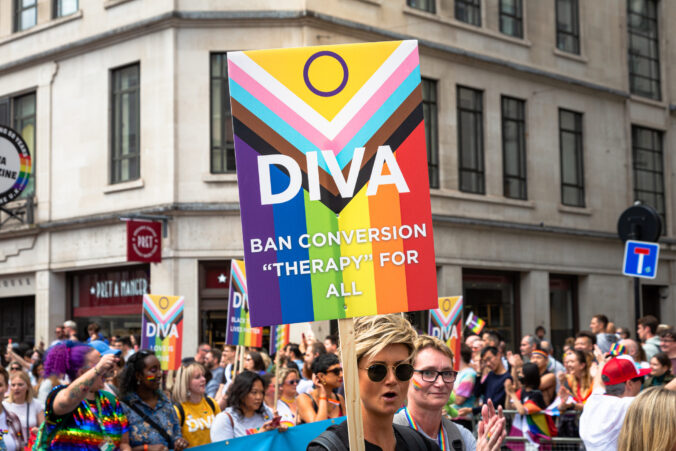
(296, 437)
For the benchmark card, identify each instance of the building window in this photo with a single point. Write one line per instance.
(423, 5)
(644, 53)
(429, 89)
(470, 140)
(19, 113)
(25, 14)
(125, 124)
(222, 140)
(572, 169)
(514, 147)
(468, 11)
(568, 26)
(648, 168)
(511, 18)
(65, 7)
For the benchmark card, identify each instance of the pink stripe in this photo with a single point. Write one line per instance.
(307, 130)
(278, 107)
(376, 101)
(237, 271)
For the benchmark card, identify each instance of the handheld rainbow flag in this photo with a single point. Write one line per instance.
(446, 324)
(239, 330)
(162, 328)
(333, 185)
(279, 337)
(537, 425)
(617, 349)
(475, 323)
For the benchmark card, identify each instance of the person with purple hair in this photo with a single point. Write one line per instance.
(81, 415)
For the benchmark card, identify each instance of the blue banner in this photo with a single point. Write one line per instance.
(296, 437)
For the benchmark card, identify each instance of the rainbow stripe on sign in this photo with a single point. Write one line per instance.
(326, 251)
(446, 324)
(239, 331)
(163, 328)
(279, 337)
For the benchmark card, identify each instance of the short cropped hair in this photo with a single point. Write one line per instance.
(669, 332)
(587, 334)
(372, 334)
(425, 342)
(603, 319)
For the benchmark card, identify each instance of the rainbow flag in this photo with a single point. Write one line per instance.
(279, 337)
(617, 349)
(333, 186)
(162, 328)
(446, 324)
(538, 424)
(475, 323)
(239, 330)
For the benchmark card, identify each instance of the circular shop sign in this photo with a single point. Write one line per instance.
(15, 165)
(145, 241)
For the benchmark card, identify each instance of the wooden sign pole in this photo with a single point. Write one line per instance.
(278, 359)
(348, 356)
(241, 360)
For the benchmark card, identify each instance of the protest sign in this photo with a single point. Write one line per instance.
(474, 323)
(446, 324)
(333, 184)
(162, 328)
(239, 330)
(297, 437)
(279, 337)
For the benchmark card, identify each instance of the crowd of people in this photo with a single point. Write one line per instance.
(608, 389)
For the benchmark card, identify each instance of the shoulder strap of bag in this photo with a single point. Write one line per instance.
(181, 413)
(330, 441)
(454, 435)
(413, 439)
(153, 424)
(211, 404)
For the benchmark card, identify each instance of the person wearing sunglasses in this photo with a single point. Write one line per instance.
(322, 403)
(428, 393)
(383, 345)
(287, 407)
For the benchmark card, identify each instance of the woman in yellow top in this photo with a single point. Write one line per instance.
(195, 411)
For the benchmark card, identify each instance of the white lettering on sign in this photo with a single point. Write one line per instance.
(346, 187)
(112, 289)
(239, 301)
(445, 333)
(162, 330)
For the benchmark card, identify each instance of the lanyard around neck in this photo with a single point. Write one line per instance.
(441, 439)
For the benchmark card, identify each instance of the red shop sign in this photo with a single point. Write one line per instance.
(112, 291)
(144, 241)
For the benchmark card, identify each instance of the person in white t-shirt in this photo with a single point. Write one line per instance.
(10, 425)
(616, 384)
(22, 403)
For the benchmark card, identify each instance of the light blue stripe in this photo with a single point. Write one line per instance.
(380, 117)
(273, 121)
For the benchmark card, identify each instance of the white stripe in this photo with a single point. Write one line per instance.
(329, 129)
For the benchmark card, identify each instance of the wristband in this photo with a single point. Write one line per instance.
(323, 398)
(145, 447)
(97, 373)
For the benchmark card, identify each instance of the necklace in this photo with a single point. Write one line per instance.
(441, 439)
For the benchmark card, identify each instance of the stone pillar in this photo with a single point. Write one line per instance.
(534, 292)
(50, 304)
(449, 280)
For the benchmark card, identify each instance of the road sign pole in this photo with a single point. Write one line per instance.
(637, 298)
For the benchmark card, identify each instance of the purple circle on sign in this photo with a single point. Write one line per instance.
(306, 71)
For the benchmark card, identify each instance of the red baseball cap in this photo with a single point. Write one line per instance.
(621, 369)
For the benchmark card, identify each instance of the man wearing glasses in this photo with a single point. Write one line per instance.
(428, 392)
(668, 345)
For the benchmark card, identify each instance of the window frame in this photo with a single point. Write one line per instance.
(115, 156)
(18, 10)
(56, 8)
(469, 5)
(428, 6)
(432, 132)
(9, 118)
(658, 137)
(522, 176)
(478, 118)
(579, 151)
(516, 18)
(632, 56)
(575, 26)
(227, 148)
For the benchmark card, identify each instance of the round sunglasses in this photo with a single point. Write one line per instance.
(378, 371)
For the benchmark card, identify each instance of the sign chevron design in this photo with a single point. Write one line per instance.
(446, 324)
(162, 328)
(239, 330)
(315, 112)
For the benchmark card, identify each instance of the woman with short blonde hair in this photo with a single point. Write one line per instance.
(195, 411)
(650, 423)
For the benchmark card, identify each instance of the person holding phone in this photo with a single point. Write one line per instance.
(246, 413)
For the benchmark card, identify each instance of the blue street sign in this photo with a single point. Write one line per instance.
(640, 259)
